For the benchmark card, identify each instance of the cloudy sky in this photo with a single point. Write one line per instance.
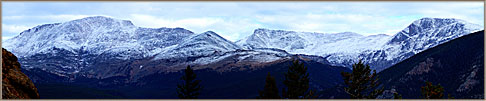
(236, 20)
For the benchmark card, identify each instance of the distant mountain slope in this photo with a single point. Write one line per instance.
(420, 35)
(71, 47)
(203, 44)
(103, 47)
(312, 43)
(97, 53)
(100, 57)
(380, 51)
(95, 35)
(223, 79)
(457, 65)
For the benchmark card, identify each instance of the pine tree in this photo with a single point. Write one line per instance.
(190, 88)
(270, 91)
(361, 81)
(297, 82)
(430, 91)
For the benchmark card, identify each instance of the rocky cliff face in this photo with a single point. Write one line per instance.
(15, 84)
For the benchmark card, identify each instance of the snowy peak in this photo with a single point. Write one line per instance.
(159, 38)
(431, 21)
(336, 47)
(271, 33)
(436, 22)
(346, 47)
(426, 33)
(212, 38)
(298, 42)
(420, 35)
(96, 23)
(95, 35)
(211, 35)
(204, 44)
(280, 39)
(37, 28)
(260, 31)
(103, 21)
(434, 27)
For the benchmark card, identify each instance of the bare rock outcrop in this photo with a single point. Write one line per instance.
(15, 84)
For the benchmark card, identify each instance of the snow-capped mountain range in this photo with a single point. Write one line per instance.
(203, 44)
(380, 51)
(95, 35)
(346, 44)
(100, 44)
(312, 43)
(95, 44)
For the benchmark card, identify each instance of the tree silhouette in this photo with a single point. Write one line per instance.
(297, 82)
(190, 88)
(397, 96)
(430, 91)
(361, 81)
(270, 91)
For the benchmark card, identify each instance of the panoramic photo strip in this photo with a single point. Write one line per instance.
(242, 50)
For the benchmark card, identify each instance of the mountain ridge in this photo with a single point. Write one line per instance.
(120, 53)
(419, 35)
(83, 38)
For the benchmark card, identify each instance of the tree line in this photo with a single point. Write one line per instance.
(361, 83)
